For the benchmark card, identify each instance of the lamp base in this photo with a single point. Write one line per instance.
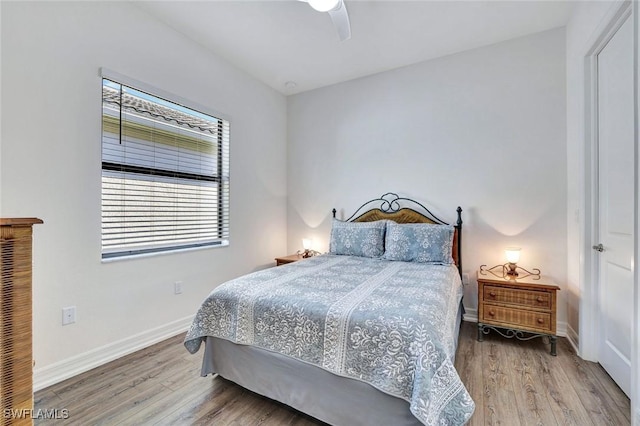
(509, 271)
(307, 253)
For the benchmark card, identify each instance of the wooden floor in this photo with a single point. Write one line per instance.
(512, 383)
(519, 383)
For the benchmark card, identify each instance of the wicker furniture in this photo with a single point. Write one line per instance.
(523, 308)
(16, 356)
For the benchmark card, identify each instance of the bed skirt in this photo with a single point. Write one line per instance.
(339, 401)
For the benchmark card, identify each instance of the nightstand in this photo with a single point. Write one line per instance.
(522, 308)
(288, 259)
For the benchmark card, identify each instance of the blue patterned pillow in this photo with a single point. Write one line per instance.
(364, 239)
(419, 242)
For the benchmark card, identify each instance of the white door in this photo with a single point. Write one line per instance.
(616, 198)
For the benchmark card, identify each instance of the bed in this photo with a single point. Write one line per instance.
(363, 335)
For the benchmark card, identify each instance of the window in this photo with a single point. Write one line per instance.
(165, 174)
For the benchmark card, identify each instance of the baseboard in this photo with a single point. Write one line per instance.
(561, 328)
(471, 315)
(70, 367)
(573, 338)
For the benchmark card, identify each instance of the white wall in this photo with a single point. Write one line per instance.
(0, 117)
(51, 105)
(483, 129)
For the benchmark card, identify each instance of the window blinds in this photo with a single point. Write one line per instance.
(165, 174)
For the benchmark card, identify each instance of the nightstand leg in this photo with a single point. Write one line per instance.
(553, 340)
(480, 333)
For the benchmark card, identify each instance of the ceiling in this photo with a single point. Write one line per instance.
(287, 41)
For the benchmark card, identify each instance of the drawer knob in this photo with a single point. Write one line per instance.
(492, 313)
(540, 299)
(540, 321)
(492, 294)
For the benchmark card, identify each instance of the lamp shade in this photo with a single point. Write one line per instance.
(306, 243)
(512, 254)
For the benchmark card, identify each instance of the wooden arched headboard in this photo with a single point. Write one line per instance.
(390, 206)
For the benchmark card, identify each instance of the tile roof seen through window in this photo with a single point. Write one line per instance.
(155, 110)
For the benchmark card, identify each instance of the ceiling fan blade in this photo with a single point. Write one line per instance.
(340, 19)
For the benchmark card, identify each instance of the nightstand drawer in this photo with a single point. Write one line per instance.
(517, 318)
(512, 296)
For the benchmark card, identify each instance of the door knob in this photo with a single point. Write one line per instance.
(599, 248)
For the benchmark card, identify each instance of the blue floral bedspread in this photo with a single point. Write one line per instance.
(390, 324)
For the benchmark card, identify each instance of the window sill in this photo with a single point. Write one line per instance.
(161, 253)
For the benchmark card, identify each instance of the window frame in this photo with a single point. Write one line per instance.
(219, 178)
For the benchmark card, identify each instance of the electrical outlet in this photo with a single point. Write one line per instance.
(177, 287)
(68, 315)
(465, 279)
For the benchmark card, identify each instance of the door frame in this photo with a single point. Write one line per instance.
(589, 326)
(635, 340)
